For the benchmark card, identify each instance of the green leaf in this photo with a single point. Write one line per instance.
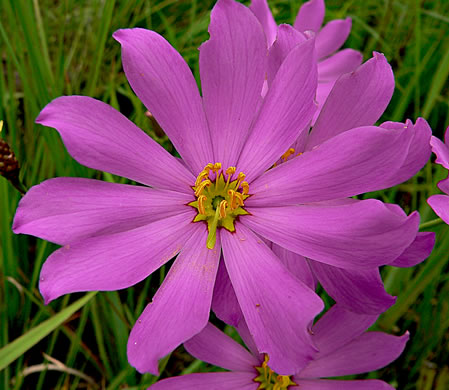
(13, 350)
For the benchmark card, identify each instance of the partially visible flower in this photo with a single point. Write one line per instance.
(358, 99)
(332, 62)
(440, 203)
(344, 349)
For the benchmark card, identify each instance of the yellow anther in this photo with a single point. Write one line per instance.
(245, 187)
(240, 178)
(203, 175)
(299, 154)
(222, 206)
(231, 194)
(287, 154)
(230, 171)
(217, 167)
(201, 208)
(208, 167)
(239, 198)
(200, 188)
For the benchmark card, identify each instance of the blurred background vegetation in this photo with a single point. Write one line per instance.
(50, 48)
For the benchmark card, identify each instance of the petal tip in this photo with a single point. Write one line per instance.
(120, 35)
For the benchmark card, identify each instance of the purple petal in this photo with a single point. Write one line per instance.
(418, 251)
(286, 110)
(368, 352)
(322, 92)
(164, 83)
(361, 291)
(297, 265)
(114, 261)
(310, 16)
(357, 236)
(287, 39)
(441, 150)
(209, 381)
(99, 137)
(263, 14)
(440, 204)
(232, 69)
(351, 163)
(418, 153)
(443, 185)
(224, 302)
(266, 292)
(248, 340)
(326, 384)
(344, 61)
(358, 99)
(211, 345)
(65, 210)
(332, 36)
(180, 308)
(338, 326)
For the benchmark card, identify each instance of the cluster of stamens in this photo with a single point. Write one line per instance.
(219, 200)
(269, 380)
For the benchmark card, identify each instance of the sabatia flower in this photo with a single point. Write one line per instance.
(358, 99)
(344, 349)
(115, 235)
(332, 62)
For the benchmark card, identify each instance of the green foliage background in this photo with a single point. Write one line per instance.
(50, 48)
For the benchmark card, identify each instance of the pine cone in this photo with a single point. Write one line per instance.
(9, 166)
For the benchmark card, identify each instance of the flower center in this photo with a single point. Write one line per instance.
(269, 380)
(219, 200)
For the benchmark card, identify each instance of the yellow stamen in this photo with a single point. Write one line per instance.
(231, 194)
(245, 187)
(203, 175)
(200, 188)
(240, 178)
(208, 167)
(287, 154)
(238, 198)
(230, 171)
(201, 208)
(217, 167)
(222, 207)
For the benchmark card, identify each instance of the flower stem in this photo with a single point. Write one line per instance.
(432, 223)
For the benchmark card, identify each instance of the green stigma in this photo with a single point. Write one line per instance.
(269, 380)
(219, 202)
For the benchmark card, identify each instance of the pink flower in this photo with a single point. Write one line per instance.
(344, 349)
(440, 203)
(332, 62)
(115, 235)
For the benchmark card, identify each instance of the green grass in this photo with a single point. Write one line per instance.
(52, 48)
